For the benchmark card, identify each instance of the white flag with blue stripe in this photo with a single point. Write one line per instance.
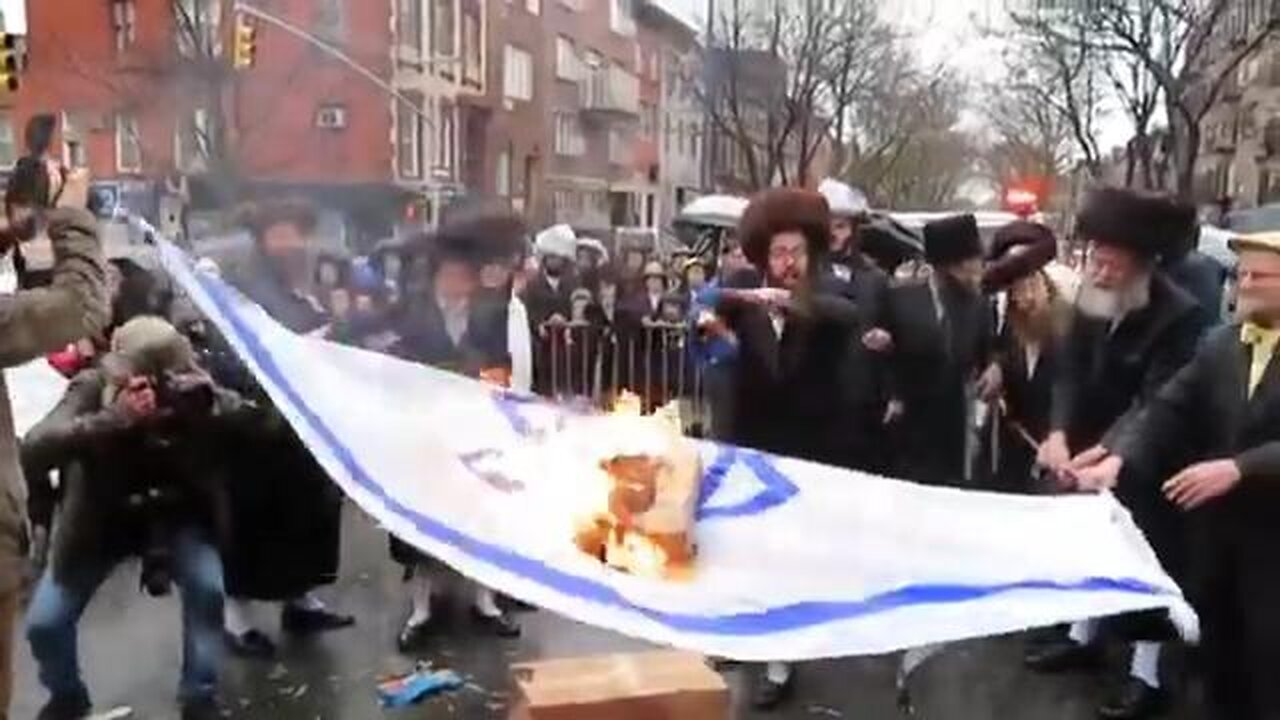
(795, 560)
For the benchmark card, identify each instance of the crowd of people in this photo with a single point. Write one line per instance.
(977, 367)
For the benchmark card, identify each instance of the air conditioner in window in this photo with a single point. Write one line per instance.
(331, 118)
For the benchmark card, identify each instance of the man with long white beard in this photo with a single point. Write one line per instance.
(1132, 329)
(1226, 405)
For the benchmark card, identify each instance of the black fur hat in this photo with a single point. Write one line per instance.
(1018, 250)
(780, 210)
(952, 240)
(1155, 226)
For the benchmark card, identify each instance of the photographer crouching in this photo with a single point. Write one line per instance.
(137, 434)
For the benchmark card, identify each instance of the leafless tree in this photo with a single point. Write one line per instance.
(1187, 49)
(783, 79)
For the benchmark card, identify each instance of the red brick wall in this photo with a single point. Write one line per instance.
(74, 66)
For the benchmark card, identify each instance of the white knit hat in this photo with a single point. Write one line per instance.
(844, 201)
(557, 241)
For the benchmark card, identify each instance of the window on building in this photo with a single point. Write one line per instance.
(568, 66)
(680, 146)
(8, 141)
(444, 30)
(409, 135)
(124, 20)
(619, 147)
(409, 25)
(331, 21)
(192, 137)
(648, 120)
(128, 144)
(517, 74)
(74, 137)
(666, 133)
(472, 51)
(198, 27)
(446, 139)
(502, 186)
(569, 138)
(622, 17)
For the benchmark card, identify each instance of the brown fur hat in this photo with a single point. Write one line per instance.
(1018, 250)
(780, 210)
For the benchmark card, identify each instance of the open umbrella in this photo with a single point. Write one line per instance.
(889, 242)
(715, 210)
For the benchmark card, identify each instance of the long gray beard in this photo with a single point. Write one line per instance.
(1095, 302)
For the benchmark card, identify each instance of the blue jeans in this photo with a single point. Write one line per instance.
(56, 609)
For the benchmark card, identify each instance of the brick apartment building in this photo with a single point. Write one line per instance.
(559, 107)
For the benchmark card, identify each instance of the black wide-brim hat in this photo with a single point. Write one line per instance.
(780, 210)
(1152, 225)
(476, 241)
(1018, 250)
(952, 240)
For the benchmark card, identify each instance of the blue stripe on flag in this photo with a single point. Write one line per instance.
(763, 622)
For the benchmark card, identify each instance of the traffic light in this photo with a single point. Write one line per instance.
(245, 44)
(11, 62)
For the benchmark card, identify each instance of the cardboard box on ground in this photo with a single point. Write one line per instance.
(659, 685)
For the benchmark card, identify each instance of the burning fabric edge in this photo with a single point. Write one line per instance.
(796, 560)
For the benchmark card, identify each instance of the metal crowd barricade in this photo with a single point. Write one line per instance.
(591, 364)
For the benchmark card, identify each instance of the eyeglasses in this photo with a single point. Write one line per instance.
(794, 253)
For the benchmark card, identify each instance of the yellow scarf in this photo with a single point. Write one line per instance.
(1263, 343)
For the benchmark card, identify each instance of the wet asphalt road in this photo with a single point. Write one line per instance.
(130, 651)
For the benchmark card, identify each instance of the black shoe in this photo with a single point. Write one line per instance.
(203, 709)
(65, 708)
(252, 644)
(300, 621)
(501, 624)
(414, 636)
(1134, 700)
(511, 604)
(1062, 657)
(769, 694)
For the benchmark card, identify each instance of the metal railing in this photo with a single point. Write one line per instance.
(592, 364)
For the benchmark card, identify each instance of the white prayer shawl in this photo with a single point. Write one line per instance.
(795, 560)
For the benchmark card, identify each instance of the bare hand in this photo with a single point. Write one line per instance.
(1202, 482)
(75, 190)
(1088, 458)
(1098, 476)
(878, 340)
(1053, 454)
(991, 382)
(770, 297)
(893, 411)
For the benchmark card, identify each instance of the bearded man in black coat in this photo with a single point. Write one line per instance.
(454, 325)
(941, 330)
(1225, 405)
(1131, 330)
(792, 341)
(286, 514)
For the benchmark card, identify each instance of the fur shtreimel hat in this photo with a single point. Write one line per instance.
(1019, 249)
(952, 240)
(784, 210)
(557, 241)
(1155, 226)
(476, 241)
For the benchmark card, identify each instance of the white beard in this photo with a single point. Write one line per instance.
(1101, 304)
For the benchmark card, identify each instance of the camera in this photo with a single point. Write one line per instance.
(186, 396)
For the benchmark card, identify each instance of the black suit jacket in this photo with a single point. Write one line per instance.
(929, 374)
(542, 301)
(1206, 410)
(1106, 376)
(424, 339)
(785, 400)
